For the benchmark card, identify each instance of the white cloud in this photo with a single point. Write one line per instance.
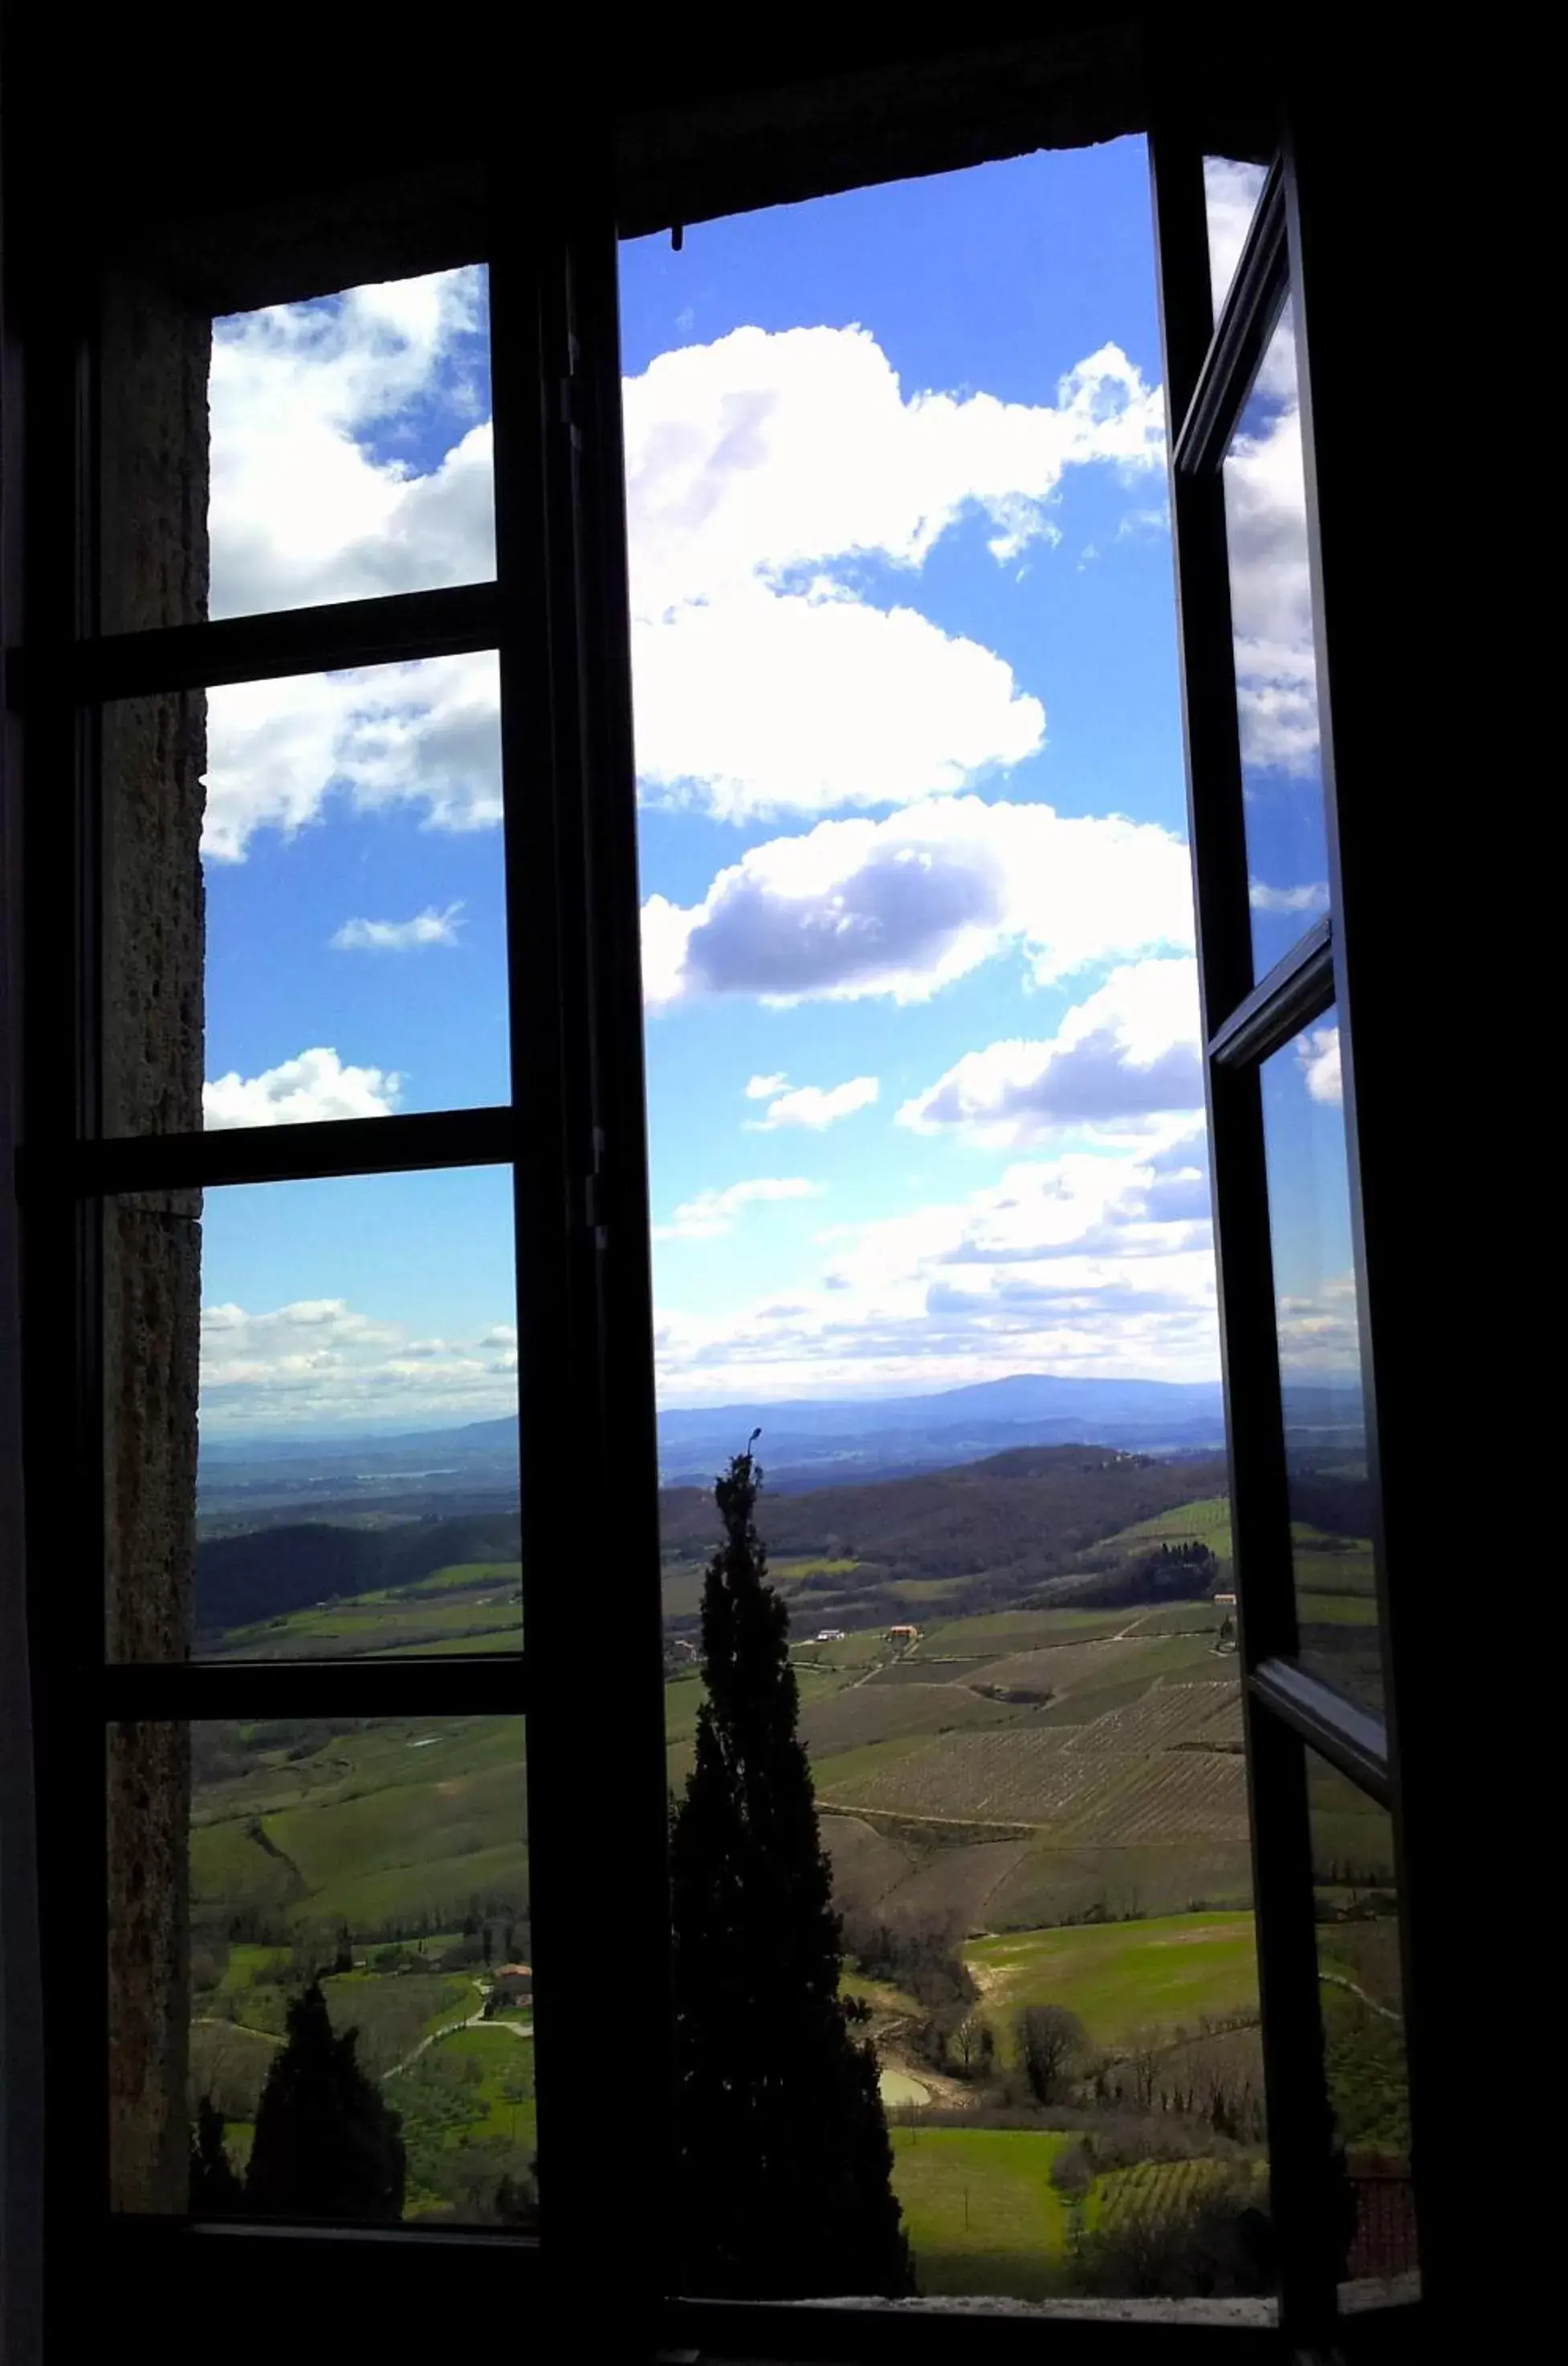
(1318, 1332)
(1318, 1054)
(322, 1360)
(1230, 191)
(756, 465)
(712, 1213)
(1313, 896)
(763, 1089)
(427, 927)
(314, 1086)
(763, 704)
(903, 905)
(306, 504)
(762, 453)
(1265, 491)
(810, 1105)
(1090, 1262)
(1128, 1052)
(426, 734)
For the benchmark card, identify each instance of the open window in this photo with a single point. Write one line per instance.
(184, 654)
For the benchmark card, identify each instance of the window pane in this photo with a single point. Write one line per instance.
(1230, 191)
(930, 1183)
(355, 1370)
(1364, 2022)
(1320, 1362)
(1276, 665)
(294, 456)
(364, 1876)
(304, 905)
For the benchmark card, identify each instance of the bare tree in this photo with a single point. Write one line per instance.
(1052, 2045)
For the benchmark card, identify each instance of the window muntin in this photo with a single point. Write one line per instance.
(1276, 662)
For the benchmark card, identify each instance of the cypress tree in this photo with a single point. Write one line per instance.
(784, 2167)
(326, 2145)
(215, 2190)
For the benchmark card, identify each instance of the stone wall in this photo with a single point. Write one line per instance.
(154, 463)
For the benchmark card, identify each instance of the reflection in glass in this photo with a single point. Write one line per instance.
(355, 1377)
(323, 932)
(351, 446)
(1320, 1362)
(1230, 191)
(1363, 2025)
(349, 1971)
(1276, 670)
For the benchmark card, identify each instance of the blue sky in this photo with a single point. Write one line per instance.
(924, 1094)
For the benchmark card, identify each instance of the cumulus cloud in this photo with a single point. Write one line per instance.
(763, 471)
(314, 1085)
(1311, 897)
(816, 1106)
(903, 905)
(764, 453)
(1089, 1262)
(1318, 1054)
(314, 408)
(322, 1360)
(1318, 1332)
(1265, 492)
(427, 927)
(426, 734)
(1129, 1052)
(761, 704)
(714, 1211)
(1230, 191)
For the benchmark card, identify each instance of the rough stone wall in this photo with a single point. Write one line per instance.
(153, 464)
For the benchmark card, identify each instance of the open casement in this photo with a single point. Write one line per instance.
(1276, 1004)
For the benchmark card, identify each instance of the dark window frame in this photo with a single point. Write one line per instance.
(1291, 1713)
(557, 614)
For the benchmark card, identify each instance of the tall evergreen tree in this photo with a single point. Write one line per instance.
(785, 2168)
(326, 2145)
(215, 2190)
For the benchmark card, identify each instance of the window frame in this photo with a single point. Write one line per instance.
(1290, 1713)
(558, 612)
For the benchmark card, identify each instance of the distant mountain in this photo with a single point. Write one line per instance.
(806, 1442)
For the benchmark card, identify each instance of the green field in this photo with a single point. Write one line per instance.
(473, 1605)
(1122, 1978)
(980, 2211)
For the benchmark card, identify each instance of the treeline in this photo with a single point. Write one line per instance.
(1013, 1520)
(1179, 1573)
(243, 1580)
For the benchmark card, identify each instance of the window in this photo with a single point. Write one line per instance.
(176, 1757)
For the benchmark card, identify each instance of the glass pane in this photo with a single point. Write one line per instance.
(1276, 667)
(354, 1368)
(321, 2003)
(930, 1182)
(1230, 191)
(1363, 2027)
(294, 456)
(304, 906)
(1320, 1362)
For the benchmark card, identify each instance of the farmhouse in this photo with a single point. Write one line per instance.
(903, 1634)
(830, 1635)
(1226, 1601)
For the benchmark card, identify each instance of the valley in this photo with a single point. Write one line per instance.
(1018, 1694)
